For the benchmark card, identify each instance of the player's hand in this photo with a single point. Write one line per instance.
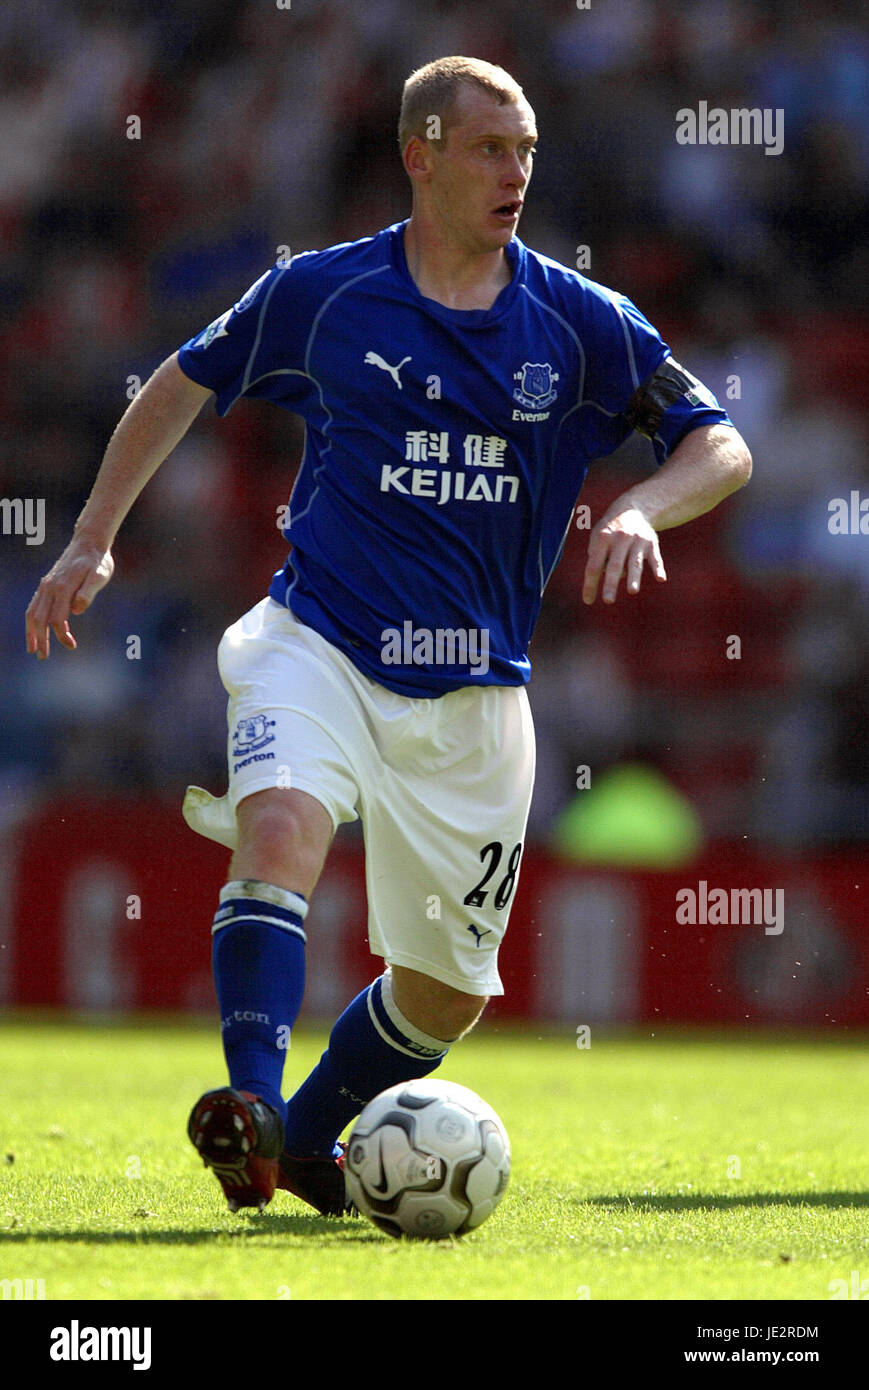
(69, 587)
(621, 544)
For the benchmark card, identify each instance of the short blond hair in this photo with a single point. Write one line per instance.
(434, 89)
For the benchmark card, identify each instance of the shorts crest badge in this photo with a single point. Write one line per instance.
(251, 734)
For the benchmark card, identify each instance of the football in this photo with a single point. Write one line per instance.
(427, 1159)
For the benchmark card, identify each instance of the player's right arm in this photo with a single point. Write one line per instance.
(155, 421)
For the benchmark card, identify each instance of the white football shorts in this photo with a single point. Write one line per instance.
(442, 787)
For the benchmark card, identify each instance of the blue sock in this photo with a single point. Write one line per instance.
(258, 955)
(371, 1047)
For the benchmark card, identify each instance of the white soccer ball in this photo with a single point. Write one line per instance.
(427, 1159)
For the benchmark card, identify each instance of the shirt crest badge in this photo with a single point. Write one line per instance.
(536, 385)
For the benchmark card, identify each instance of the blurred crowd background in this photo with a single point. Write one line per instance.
(264, 127)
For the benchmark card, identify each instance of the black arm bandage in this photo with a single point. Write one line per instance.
(651, 401)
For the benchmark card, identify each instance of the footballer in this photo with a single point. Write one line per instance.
(455, 386)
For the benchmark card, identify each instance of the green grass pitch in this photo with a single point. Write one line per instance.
(645, 1167)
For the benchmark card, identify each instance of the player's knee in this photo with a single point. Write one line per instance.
(462, 1018)
(435, 1008)
(282, 839)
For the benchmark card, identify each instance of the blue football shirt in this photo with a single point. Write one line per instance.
(444, 449)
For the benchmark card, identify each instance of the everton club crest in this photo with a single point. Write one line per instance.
(251, 734)
(536, 385)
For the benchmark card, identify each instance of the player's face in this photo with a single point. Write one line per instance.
(478, 181)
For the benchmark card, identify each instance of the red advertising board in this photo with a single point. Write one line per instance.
(112, 901)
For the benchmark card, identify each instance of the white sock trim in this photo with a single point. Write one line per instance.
(257, 891)
(266, 893)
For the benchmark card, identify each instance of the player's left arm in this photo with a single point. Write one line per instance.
(707, 465)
